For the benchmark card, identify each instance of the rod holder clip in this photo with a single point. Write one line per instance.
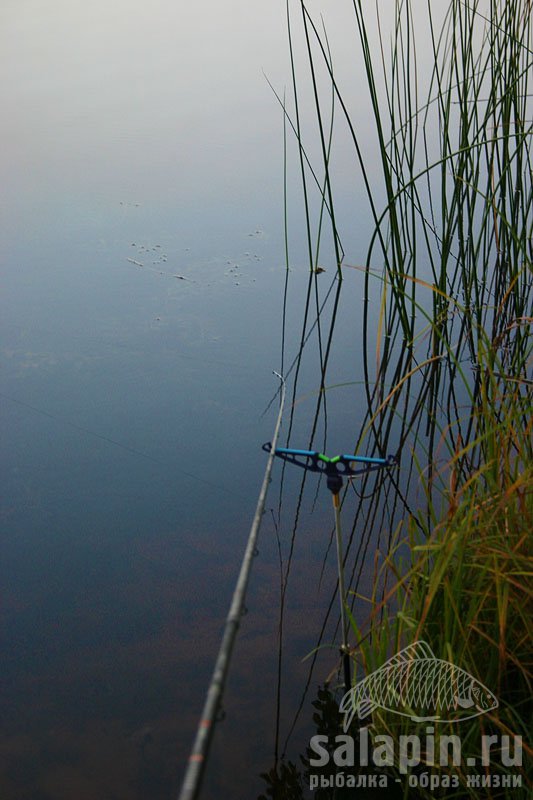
(336, 468)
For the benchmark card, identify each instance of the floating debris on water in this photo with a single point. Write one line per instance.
(157, 260)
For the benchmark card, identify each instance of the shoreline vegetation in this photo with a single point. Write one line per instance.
(447, 351)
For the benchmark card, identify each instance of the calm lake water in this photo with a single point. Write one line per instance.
(144, 274)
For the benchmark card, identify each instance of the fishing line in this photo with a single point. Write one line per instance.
(120, 445)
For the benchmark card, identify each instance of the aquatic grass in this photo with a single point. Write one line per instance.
(465, 587)
(447, 354)
(478, 216)
(459, 576)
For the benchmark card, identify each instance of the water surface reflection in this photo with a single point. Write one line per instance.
(144, 276)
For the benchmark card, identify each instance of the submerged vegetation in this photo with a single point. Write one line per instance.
(446, 346)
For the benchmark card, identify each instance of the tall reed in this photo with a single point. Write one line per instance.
(447, 351)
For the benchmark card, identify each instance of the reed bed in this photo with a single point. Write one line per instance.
(446, 345)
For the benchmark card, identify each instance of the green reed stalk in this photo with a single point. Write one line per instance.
(447, 356)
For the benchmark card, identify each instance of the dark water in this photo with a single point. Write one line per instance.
(144, 271)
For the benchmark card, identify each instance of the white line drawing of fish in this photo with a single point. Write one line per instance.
(415, 684)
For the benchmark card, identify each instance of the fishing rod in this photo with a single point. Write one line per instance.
(336, 469)
(204, 734)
